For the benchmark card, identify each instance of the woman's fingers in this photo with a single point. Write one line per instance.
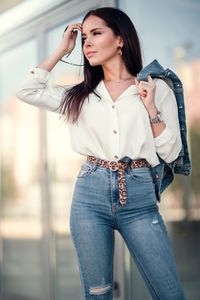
(71, 29)
(69, 37)
(145, 87)
(150, 79)
(142, 88)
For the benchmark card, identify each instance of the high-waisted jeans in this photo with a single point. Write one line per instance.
(96, 213)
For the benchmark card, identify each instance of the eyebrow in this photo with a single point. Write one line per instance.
(92, 30)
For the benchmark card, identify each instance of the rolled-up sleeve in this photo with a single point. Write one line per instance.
(168, 144)
(38, 89)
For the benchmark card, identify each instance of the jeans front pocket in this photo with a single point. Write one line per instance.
(141, 175)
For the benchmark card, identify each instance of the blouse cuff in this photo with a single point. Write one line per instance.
(166, 136)
(40, 74)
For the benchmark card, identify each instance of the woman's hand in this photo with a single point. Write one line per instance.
(69, 38)
(146, 91)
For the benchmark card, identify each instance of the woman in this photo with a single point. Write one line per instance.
(121, 126)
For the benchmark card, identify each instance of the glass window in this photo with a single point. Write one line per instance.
(20, 222)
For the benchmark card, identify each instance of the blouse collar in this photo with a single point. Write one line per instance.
(103, 91)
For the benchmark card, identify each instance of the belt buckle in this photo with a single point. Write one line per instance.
(113, 165)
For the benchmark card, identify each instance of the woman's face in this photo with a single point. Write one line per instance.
(100, 43)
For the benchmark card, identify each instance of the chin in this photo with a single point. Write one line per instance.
(95, 63)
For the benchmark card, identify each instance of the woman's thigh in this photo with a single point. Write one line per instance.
(93, 236)
(148, 242)
(145, 234)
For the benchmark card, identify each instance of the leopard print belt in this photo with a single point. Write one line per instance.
(120, 167)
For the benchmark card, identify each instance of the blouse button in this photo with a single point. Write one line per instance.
(116, 156)
(113, 106)
(114, 131)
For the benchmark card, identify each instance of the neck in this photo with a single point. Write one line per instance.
(119, 80)
(115, 71)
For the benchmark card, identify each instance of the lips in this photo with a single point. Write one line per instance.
(90, 53)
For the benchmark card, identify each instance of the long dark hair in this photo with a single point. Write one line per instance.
(121, 25)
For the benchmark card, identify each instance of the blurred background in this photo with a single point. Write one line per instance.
(38, 168)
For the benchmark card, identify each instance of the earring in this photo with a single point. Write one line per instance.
(119, 50)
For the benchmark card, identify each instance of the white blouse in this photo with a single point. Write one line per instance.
(111, 130)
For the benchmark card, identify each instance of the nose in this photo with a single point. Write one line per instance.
(87, 42)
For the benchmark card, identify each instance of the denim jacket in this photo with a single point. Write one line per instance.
(163, 174)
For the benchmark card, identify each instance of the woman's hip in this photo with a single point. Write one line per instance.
(98, 189)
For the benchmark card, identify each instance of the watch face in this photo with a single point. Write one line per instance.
(156, 119)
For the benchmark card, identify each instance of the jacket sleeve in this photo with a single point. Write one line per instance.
(168, 144)
(39, 90)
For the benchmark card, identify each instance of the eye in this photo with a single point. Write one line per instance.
(94, 33)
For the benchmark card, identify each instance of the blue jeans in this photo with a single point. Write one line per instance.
(96, 213)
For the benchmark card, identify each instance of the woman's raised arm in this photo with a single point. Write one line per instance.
(38, 89)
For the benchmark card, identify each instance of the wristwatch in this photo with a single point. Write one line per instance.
(156, 119)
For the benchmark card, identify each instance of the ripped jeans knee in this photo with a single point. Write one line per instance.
(100, 290)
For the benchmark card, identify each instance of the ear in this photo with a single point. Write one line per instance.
(120, 41)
